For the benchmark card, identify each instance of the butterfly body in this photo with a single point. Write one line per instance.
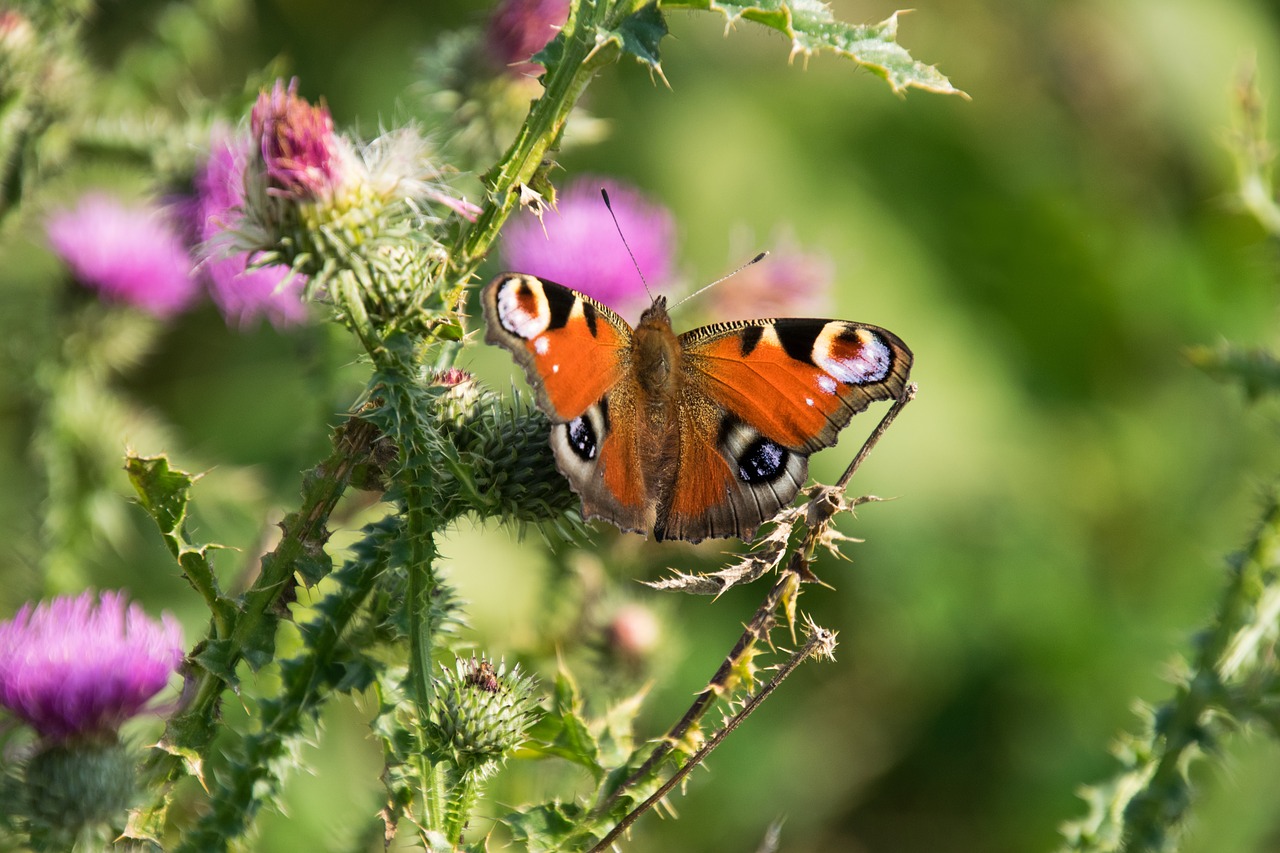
(700, 435)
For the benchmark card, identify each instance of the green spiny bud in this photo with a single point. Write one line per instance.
(508, 457)
(76, 784)
(480, 712)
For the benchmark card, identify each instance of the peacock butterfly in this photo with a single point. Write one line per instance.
(704, 434)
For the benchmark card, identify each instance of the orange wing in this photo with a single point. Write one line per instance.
(758, 398)
(571, 347)
(576, 354)
(796, 381)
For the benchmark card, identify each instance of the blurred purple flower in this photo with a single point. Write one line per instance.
(521, 28)
(241, 294)
(577, 245)
(84, 665)
(299, 149)
(128, 254)
(789, 283)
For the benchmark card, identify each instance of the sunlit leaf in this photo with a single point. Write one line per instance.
(811, 27)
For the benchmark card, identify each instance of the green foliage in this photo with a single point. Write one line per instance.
(164, 493)
(1144, 806)
(812, 28)
(327, 665)
(1256, 370)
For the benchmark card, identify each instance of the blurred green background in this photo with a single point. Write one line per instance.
(1067, 486)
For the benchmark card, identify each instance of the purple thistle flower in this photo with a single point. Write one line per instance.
(789, 283)
(128, 254)
(577, 245)
(240, 293)
(84, 665)
(521, 28)
(299, 149)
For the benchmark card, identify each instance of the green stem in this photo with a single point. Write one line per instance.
(254, 777)
(422, 585)
(565, 81)
(465, 795)
(435, 796)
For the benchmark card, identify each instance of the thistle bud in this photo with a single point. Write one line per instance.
(75, 669)
(357, 220)
(79, 783)
(481, 711)
(633, 633)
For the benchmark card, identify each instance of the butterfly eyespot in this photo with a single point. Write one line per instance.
(522, 308)
(762, 462)
(851, 355)
(582, 438)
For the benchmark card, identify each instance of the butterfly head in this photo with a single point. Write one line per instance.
(656, 316)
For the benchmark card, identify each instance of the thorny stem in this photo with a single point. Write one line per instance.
(763, 620)
(563, 84)
(908, 394)
(321, 494)
(821, 641)
(1151, 812)
(757, 629)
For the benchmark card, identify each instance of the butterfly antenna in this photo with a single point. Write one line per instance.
(757, 259)
(605, 195)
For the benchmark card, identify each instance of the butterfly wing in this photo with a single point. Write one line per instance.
(759, 397)
(572, 348)
(576, 355)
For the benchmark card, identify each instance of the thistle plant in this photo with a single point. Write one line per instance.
(74, 670)
(1229, 679)
(378, 234)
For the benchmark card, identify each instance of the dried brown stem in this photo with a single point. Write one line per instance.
(820, 641)
(763, 620)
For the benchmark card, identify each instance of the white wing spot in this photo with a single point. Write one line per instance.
(808, 401)
(541, 345)
(826, 383)
(555, 368)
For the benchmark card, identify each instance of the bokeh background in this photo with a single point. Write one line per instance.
(1067, 486)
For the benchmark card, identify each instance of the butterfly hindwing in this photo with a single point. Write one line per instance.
(599, 453)
(728, 479)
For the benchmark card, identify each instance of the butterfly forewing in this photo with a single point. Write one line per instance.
(797, 381)
(573, 349)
